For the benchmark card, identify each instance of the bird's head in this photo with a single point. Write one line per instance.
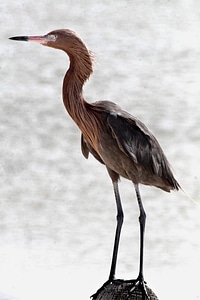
(63, 39)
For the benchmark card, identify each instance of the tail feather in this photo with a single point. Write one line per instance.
(188, 196)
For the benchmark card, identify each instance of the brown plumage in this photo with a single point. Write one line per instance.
(112, 135)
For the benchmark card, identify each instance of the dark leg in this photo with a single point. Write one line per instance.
(120, 217)
(142, 220)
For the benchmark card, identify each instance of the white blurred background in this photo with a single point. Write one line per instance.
(57, 210)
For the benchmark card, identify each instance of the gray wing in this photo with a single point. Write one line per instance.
(137, 142)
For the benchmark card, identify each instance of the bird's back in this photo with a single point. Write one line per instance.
(127, 147)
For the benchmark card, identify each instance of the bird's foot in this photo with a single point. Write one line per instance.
(140, 284)
(108, 282)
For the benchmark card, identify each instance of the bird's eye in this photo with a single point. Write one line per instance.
(52, 37)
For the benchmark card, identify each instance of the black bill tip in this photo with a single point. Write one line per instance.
(19, 38)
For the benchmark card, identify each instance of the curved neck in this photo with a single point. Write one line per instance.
(80, 111)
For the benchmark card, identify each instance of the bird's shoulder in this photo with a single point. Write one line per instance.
(106, 106)
(117, 116)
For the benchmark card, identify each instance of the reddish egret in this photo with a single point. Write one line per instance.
(113, 136)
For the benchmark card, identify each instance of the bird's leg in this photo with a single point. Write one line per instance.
(142, 220)
(120, 218)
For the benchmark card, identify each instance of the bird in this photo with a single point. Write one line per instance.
(113, 136)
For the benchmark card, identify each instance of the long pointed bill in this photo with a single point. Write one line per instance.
(41, 39)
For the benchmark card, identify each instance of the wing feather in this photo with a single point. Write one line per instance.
(137, 142)
(86, 148)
